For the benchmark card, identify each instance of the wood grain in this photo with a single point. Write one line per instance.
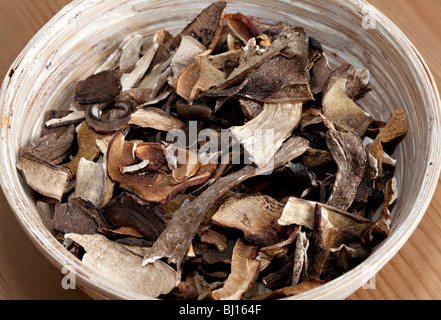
(414, 273)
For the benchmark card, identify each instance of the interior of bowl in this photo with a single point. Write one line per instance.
(82, 35)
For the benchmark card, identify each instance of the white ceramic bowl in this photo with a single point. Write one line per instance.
(85, 32)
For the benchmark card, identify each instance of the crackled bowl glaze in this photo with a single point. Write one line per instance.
(85, 32)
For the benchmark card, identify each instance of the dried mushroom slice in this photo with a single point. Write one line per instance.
(101, 254)
(301, 212)
(188, 50)
(396, 127)
(72, 118)
(106, 120)
(275, 124)
(154, 118)
(98, 88)
(349, 153)
(309, 284)
(127, 210)
(357, 85)
(54, 147)
(156, 186)
(256, 217)
(200, 76)
(323, 239)
(205, 28)
(77, 216)
(130, 52)
(87, 147)
(300, 266)
(244, 271)
(90, 182)
(344, 113)
(243, 27)
(130, 80)
(44, 177)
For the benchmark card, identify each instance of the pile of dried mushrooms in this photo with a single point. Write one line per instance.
(257, 222)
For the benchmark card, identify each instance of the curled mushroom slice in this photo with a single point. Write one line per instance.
(265, 134)
(349, 153)
(154, 118)
(199, 76)
(98, 88)
(101, 254)
(188, 168)
(344, 113)
(155, 186)
(244, 271)
(323, 239)
(242, 26)
(151, 152)
(301, 212)
(256, 217)
(109, 120)
(44, 177)
(188, 50)
(300, 258)
(127, 210)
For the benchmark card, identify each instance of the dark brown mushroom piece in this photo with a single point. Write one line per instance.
(44, 177)
(244, 271)
(98, 88)
(77, 216)
(341, 110)
(128, 210)
(107, 119)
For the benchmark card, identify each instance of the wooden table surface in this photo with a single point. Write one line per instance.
(413, 274)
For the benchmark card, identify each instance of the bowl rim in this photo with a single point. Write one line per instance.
(94, 284)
